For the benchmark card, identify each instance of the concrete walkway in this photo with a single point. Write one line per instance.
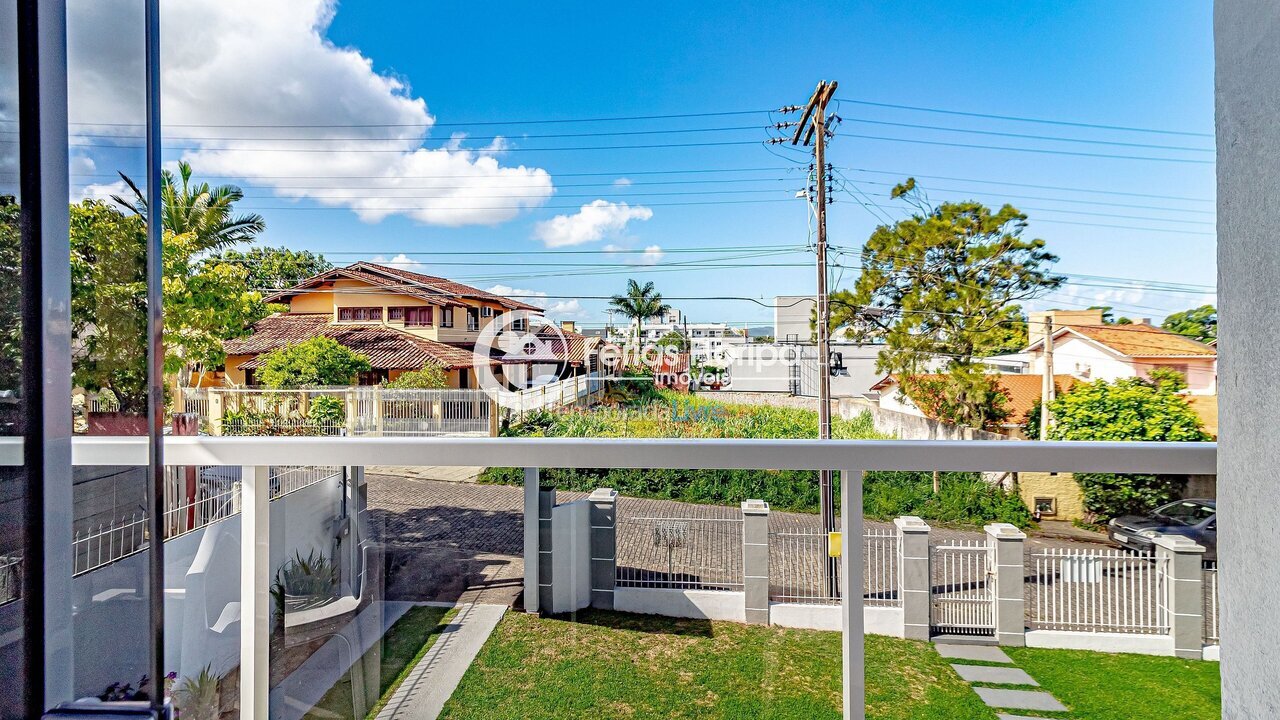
(424, 692)
(1011, 685)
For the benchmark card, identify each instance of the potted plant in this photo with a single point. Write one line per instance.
(304, 583)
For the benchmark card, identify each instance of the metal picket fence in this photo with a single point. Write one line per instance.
(1098, 591)
(962, 601)
(798, 561)
(687, 553)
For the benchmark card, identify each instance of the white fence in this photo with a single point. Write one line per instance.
(564, 393)
(687, 553)
(798, 563)
(1098, 591)
(372, 411)
(194, 497)
(962, 597)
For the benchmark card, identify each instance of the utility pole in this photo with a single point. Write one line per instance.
(812, 130)
(1047, 390)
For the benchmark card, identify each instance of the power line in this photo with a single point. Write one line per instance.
(1013, 118)
(1027, 185)
(480, 151)
(1026, 136)
(365, 138)
(1042, 151)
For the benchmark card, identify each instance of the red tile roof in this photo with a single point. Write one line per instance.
(1023, 391)
(1141, 340)
(401, 282)
(387, 348)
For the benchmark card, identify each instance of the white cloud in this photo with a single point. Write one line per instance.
(401, 262)
(650, 256)
(593, 221)
(245, 62)
(559, 309)
(102, 191)
(622, 182)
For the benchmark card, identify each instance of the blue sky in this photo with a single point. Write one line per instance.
(1138, 64)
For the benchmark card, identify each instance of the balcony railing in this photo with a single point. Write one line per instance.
(851, 458)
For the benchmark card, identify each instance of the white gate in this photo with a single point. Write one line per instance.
(962, 595)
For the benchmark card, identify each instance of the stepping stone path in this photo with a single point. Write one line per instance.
(1001, 698)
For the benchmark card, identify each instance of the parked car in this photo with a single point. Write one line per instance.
(1196, 518)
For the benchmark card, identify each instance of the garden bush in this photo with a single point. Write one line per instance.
(964, 498)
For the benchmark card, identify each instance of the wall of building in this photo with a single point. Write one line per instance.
(1061, 488)
(904, 426)
(757, 367)
(1088, 361)
(791, 316)
(1247, 49)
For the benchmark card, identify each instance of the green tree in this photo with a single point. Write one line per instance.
(274, 267)
(203, 304)
(1199, 323)
(315, 362)
(430, 377)
(946, 282)
(673, 340)
(1129, 409)
(640, 303)
(964, 396)
(198, 209)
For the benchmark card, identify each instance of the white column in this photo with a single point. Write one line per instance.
(255, 590)
(851, 569)
(531, 526)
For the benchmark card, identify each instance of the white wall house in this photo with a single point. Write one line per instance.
(707, 341)
(1111, 352)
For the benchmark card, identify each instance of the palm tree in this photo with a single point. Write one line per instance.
(639, 303)
(198, 209)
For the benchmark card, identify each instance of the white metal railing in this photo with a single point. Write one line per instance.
(688, 553)
(1098, 591)
(963, 591)
(366, 410)
(216, 496)
(1211, 602)
(105, 543)
(798, 562)
(10, 578)
(848, 456)
(563, 393)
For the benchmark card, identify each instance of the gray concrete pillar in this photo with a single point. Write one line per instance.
(1006, 547)
(755, 560)
(914, 579)
(604, 546)
(546, 503)
(1184, 579)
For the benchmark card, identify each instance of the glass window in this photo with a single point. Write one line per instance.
(418, 317)
(1186, 512)
(359, 314)
(446, 317)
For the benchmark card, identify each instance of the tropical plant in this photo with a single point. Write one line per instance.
(430, 377)
(203, 304)
(640, 302)
(316, 362)
(304, 582)
(196, 698)
(198, 209)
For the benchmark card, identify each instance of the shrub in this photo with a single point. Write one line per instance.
(327, 411)
(319, 361)
(1108, 495)
(430, 377)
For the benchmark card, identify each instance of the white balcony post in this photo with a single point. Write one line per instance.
(755, 561)
(532, 525)
(915, 580)
(851, 589)
(255, 589)
(1182, 558)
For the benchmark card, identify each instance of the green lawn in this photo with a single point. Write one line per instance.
(401, 648)
(608, 665)
(1102, 686)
